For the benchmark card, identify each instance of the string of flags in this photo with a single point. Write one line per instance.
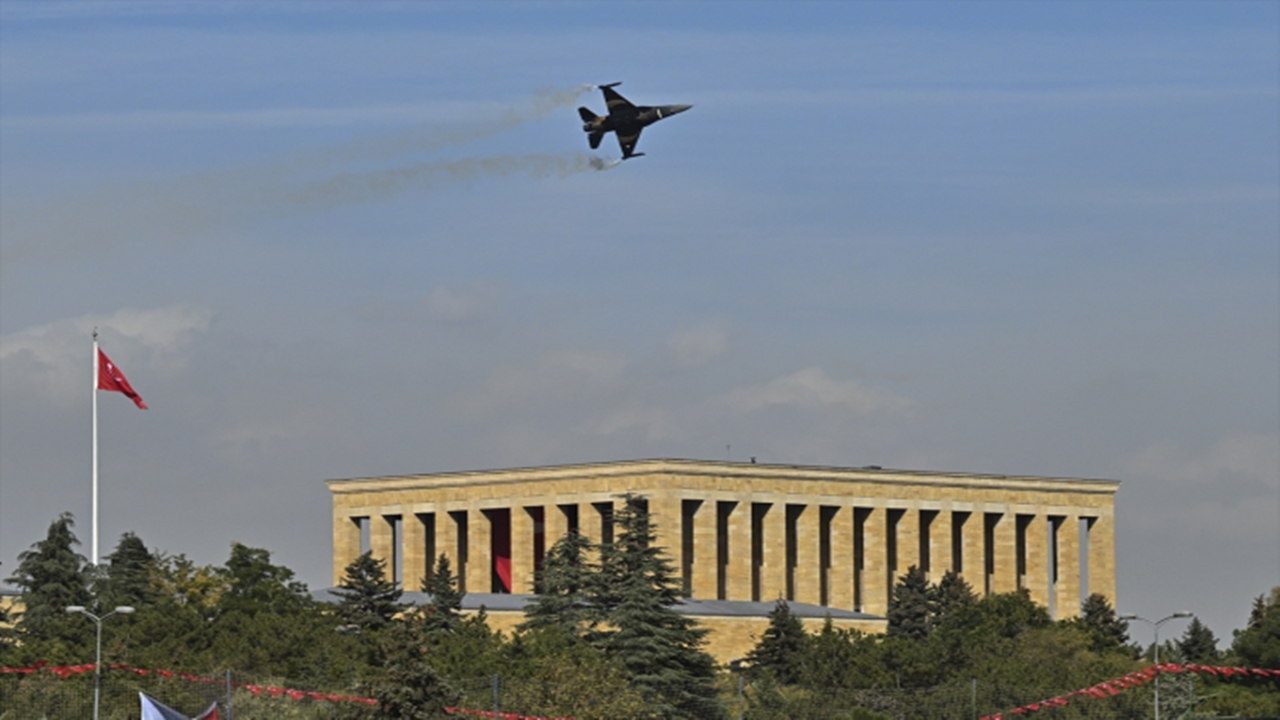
(1113, 687)
(1104, 689)
(66, 671)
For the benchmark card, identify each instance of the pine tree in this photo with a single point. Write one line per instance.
(52, 576)
(368, 599)
(562, 599)
(1257, 613)
(658, 648)
(1099, 618)
(952, 593)
(444, 613)
(411, 688)
(1258, 645)
(780, 648)
(1198, 644)
(129, 577)
(911, 606)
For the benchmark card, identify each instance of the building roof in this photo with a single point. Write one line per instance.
(503, 602)
(867, 474)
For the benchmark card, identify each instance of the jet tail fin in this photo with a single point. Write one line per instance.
(586, 115)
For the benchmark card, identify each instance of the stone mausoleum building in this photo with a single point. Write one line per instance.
(830, 540)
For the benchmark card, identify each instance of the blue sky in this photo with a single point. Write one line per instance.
(331, 240)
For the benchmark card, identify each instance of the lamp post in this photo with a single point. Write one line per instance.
(1155, 625)
(97, 665)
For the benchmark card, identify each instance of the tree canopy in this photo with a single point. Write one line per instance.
(607, 641)
(367, 599)
(52, 577)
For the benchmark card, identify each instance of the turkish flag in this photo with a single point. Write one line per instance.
(110, 378)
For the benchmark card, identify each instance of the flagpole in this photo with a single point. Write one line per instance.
(96, 365)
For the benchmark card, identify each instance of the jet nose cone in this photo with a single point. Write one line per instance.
(669, 110)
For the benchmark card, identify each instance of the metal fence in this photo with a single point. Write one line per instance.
(46, 696)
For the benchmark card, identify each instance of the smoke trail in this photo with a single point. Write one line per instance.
(428, 139)
(174, 209)
(351, 188)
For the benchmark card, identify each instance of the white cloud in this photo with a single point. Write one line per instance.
(558, 375)
(1227, 491)
(656, 423)
(56, 359)
(812, 388)
(1243, 455)
(456, 306)
(697, 345)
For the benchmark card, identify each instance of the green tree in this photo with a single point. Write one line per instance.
(52, 577)
(368, 599)
(911, 606)
(255, 585)
(1198, 644)
(563, 598)
(780, 648)
(659, 649)
(1099, 618)
(951, 594)
(444, 612)
(129, 578)
(839, 658)
(1003, 615)
(411, 689)
(1258, 645)
(1261, 606)
(550, 673)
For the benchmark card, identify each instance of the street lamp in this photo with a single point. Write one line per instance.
(97, 665)
(1156, 626)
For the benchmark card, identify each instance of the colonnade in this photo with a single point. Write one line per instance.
(838, 554)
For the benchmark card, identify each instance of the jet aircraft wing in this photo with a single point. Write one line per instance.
(628, 143)
(614, 101)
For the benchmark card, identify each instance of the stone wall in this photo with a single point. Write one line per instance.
(834, 537)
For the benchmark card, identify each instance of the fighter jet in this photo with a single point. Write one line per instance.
(624, 119)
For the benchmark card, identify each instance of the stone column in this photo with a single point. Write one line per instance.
(973, 559)
(1036, 539)
(808, 568)
(413, 548)
(588, 522)
(1005, 575)
(382, 541)
(875, 570)
(665, 514)
(1066, 588)
(522, 550)
(940, 545)
(738, 574)
(840, 573)
(908, 542)
(705, 551)
(479, 557)
(773, 571)
(557, 525)
(346, 543)
(1102, 557)
(451, 532)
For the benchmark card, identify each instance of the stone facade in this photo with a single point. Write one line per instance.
(825, 536)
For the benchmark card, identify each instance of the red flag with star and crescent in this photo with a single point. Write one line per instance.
(110, 378)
